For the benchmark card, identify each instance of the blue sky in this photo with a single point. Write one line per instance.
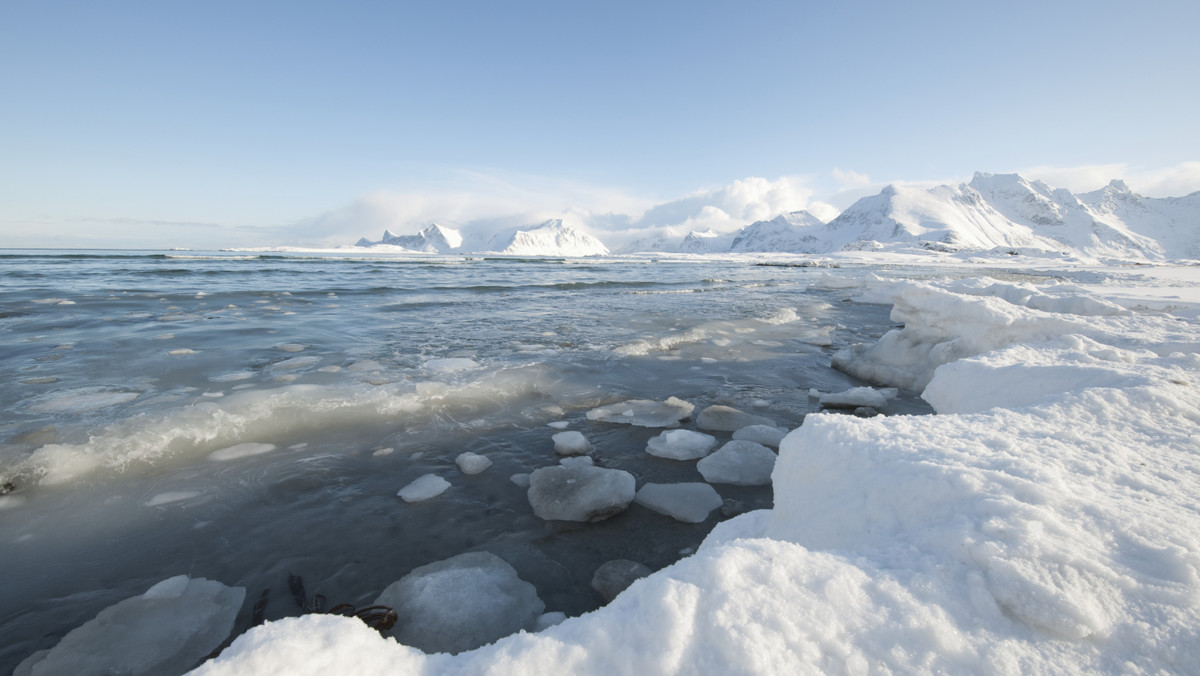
(235, 123)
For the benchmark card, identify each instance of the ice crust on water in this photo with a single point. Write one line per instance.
(688, 502)
(167, 630)
(571, 443)
(728, 419)
(767, 435)
(1043, 522)
(681, 444)
(742, 463)
(579, 492)
(423, 488)
(460, 603)
(472, 463)
(644, 413)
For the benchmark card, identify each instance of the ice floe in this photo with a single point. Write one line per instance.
(688, 502)
(578, 492)
(423, 488)
(681, 444)
(644, 413)
(742, 463)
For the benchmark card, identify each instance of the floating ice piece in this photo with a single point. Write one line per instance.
(170, 497)
(291, 347)
(521, 479)
(232, 376)
(613, 577)
(579, 493)
(742, 463)
(423, 488)
(295, 363)
(576, 460)
(858, 396)
(766, 435)
(450, 365)
(644, 413)
(728, 419)
(183, 351)
(241, 451)
(688, 502)
(559, 424)
(364, 366)
(472, 463)
(571, 443)
(461, 603)
(166, 630)
(681, 445)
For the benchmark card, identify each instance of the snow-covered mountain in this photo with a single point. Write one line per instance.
(790, 233)
(991, 212)
(552, 238)
(434, 239)
(1009, 211)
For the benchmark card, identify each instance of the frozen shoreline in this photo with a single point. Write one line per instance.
(1045, 521)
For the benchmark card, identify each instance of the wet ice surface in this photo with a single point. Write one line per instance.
(243, 420)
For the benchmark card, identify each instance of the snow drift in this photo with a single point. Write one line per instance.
(1044, 521)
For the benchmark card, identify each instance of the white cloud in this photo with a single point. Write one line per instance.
(849, 179)
(481, 204)
(1173, 181)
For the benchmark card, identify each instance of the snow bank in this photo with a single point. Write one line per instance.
(1044, 522)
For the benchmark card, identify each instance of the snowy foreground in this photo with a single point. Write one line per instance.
(1045, 521)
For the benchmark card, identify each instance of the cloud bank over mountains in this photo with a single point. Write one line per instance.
(480, 205)
(1007, 213)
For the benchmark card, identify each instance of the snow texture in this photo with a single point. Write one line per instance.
(167, 630)
(460, 603)
(579, 492)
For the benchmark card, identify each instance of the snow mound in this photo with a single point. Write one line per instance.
(579, 492)
(166, 630)
(460, 603)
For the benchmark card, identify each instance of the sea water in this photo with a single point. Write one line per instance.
(246, 417)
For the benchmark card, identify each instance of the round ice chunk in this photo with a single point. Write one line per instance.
(767, 435)
(613, 577)
(472, 463)
(742, 463)
(728, 419)
(461, 603)
(423, 488)
(681, 445)
(644, 413)
(571, 443)
(688, 502)
(167, 630)
(577, 492)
